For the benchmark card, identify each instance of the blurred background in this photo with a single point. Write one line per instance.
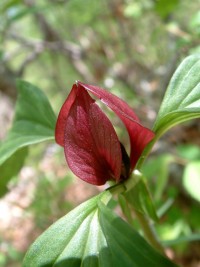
(128, 47)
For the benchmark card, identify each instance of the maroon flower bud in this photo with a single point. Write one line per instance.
(92, 149)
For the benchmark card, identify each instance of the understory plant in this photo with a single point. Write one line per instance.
(93, 234)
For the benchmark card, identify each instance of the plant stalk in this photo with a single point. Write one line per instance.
(145, 224)
(149, 232)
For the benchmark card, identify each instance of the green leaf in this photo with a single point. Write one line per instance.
(182, 98)
(91, 235)
(6, 172)
(74, 240)
(34, 121)
(127, 247)
(191, 179)
(138, 195)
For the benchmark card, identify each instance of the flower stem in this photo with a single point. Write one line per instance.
(145, 224)
(149, 232)
(145, 153)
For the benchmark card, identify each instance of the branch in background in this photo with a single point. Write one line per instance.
(73, 52)
(52, 36)
(8, 81)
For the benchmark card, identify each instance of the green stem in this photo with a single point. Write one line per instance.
(145, 153)
(148, 149)
(149, 232)
(144, 223)
(117, 189)
(147, 228)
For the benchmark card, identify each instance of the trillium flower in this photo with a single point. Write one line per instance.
(91, 145)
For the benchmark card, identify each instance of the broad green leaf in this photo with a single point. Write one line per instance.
(139, 197)
(34, 121)
(7, 172)
(127, 247)
(182, 98)
(74, 240)
(91, 235)
(191, 179)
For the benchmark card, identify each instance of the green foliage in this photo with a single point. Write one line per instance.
(191, 172)
(21, 12)
(6, 173)
(165, 7)
(189, 152)
(54, 191)
(33, 123)
(11, 255)
(159, 169)
(122, 240)
(191, 179)
(138, 195)
(182, 98)
(195, 23)
(88, 10)
(184, 239)
(131, 45)
(95, 238)
(94, 226)
(6, 4)
(75, 239)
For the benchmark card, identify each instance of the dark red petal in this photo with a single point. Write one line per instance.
(92, 148)
(139, 135)
(139, 138)
(63, 114)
